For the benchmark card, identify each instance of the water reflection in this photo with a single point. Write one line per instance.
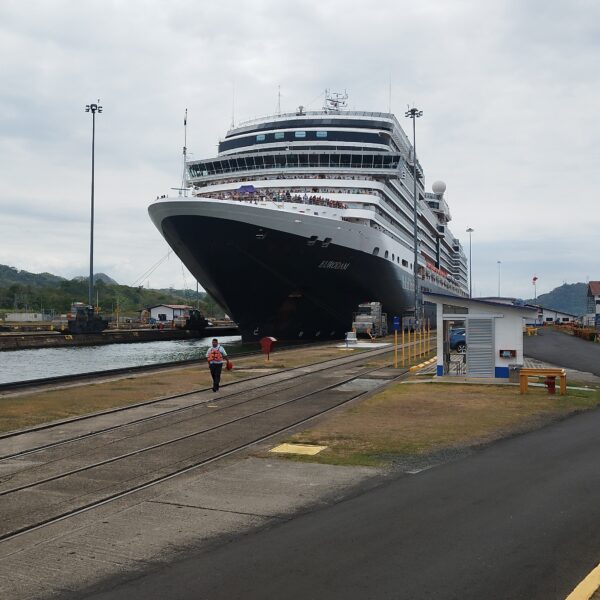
(20, 365)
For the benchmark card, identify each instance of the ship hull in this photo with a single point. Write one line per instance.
(275, 283)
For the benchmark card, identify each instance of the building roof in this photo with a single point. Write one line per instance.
(462, 301)
(174, 306)
(594, 288)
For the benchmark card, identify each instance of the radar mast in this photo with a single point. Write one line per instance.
(335, 101)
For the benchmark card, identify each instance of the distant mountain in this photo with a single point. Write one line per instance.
(569, 297)
(21, 290)
(11, 276)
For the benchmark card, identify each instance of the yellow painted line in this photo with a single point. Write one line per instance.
(298, 449)
(423, 364)
(585, 590)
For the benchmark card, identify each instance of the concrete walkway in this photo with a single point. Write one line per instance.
(192, 513)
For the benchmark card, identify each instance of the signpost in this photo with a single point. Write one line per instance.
(396, 327)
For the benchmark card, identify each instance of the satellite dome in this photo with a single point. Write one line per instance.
(438, 187)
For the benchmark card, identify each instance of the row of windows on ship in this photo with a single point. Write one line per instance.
(280, 135)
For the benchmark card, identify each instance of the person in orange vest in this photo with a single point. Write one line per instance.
(215, 356)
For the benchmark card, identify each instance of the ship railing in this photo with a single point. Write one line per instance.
(285, 177)
(312, 113)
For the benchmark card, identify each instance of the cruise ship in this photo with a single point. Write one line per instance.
(303, 216)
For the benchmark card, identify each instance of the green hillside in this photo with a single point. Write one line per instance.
(11, 276)
(21, 290)
(569, 297)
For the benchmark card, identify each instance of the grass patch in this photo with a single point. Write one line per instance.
(417, 419)
(30, 409)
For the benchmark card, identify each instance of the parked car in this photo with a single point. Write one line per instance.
(458, 339)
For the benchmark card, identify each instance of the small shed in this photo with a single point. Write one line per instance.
(491, 332)
(168, 312)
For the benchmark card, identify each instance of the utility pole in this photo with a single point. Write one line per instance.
(470, 230)
(93, 108)
(499, 263)
(414, 114)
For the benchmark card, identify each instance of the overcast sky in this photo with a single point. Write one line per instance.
(509, 89)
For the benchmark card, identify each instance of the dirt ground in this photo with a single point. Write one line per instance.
(416, 419)
(22, 409)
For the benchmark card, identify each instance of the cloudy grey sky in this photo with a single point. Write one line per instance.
(510, 93)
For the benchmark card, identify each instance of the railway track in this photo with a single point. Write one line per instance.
(47, 483)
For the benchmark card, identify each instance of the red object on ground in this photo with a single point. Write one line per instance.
(551, 384)
(266, 345)
(229, 365)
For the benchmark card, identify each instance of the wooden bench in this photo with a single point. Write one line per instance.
(550, 372)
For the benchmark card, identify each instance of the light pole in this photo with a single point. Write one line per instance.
(414, 114)
(470, 230)
(499, 263)
(93, 108)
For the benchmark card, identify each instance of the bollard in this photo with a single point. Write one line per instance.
(403, 346)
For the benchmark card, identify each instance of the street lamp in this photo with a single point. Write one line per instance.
(470, 230)
(414, 114)
(499, 263)
(93, 108)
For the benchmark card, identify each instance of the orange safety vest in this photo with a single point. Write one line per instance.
(215, 355)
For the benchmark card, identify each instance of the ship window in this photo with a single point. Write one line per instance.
(311, 241)
(393, 257)
(386, 254)
(300, 134)
(261, 137)
(404, 263)
(279, 135)
(321, 134)
(375, 251)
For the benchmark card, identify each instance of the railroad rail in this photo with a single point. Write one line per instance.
(154, 449)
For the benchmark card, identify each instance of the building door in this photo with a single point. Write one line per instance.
(480, 348)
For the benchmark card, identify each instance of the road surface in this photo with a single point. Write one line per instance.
(563, 350)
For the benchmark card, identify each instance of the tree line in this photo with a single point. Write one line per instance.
(57, 298)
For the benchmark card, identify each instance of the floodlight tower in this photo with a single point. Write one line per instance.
(93, 108)
(414, 114)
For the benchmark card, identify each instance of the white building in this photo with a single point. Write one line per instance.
(22, 317)
(169, 312)
(593, 304)
(494, 334)
(549, 316)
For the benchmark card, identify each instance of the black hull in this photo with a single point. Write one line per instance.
(274, 283)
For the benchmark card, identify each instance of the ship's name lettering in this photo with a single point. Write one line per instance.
(334, 264)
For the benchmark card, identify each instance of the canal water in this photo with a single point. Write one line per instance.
(21, 365)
